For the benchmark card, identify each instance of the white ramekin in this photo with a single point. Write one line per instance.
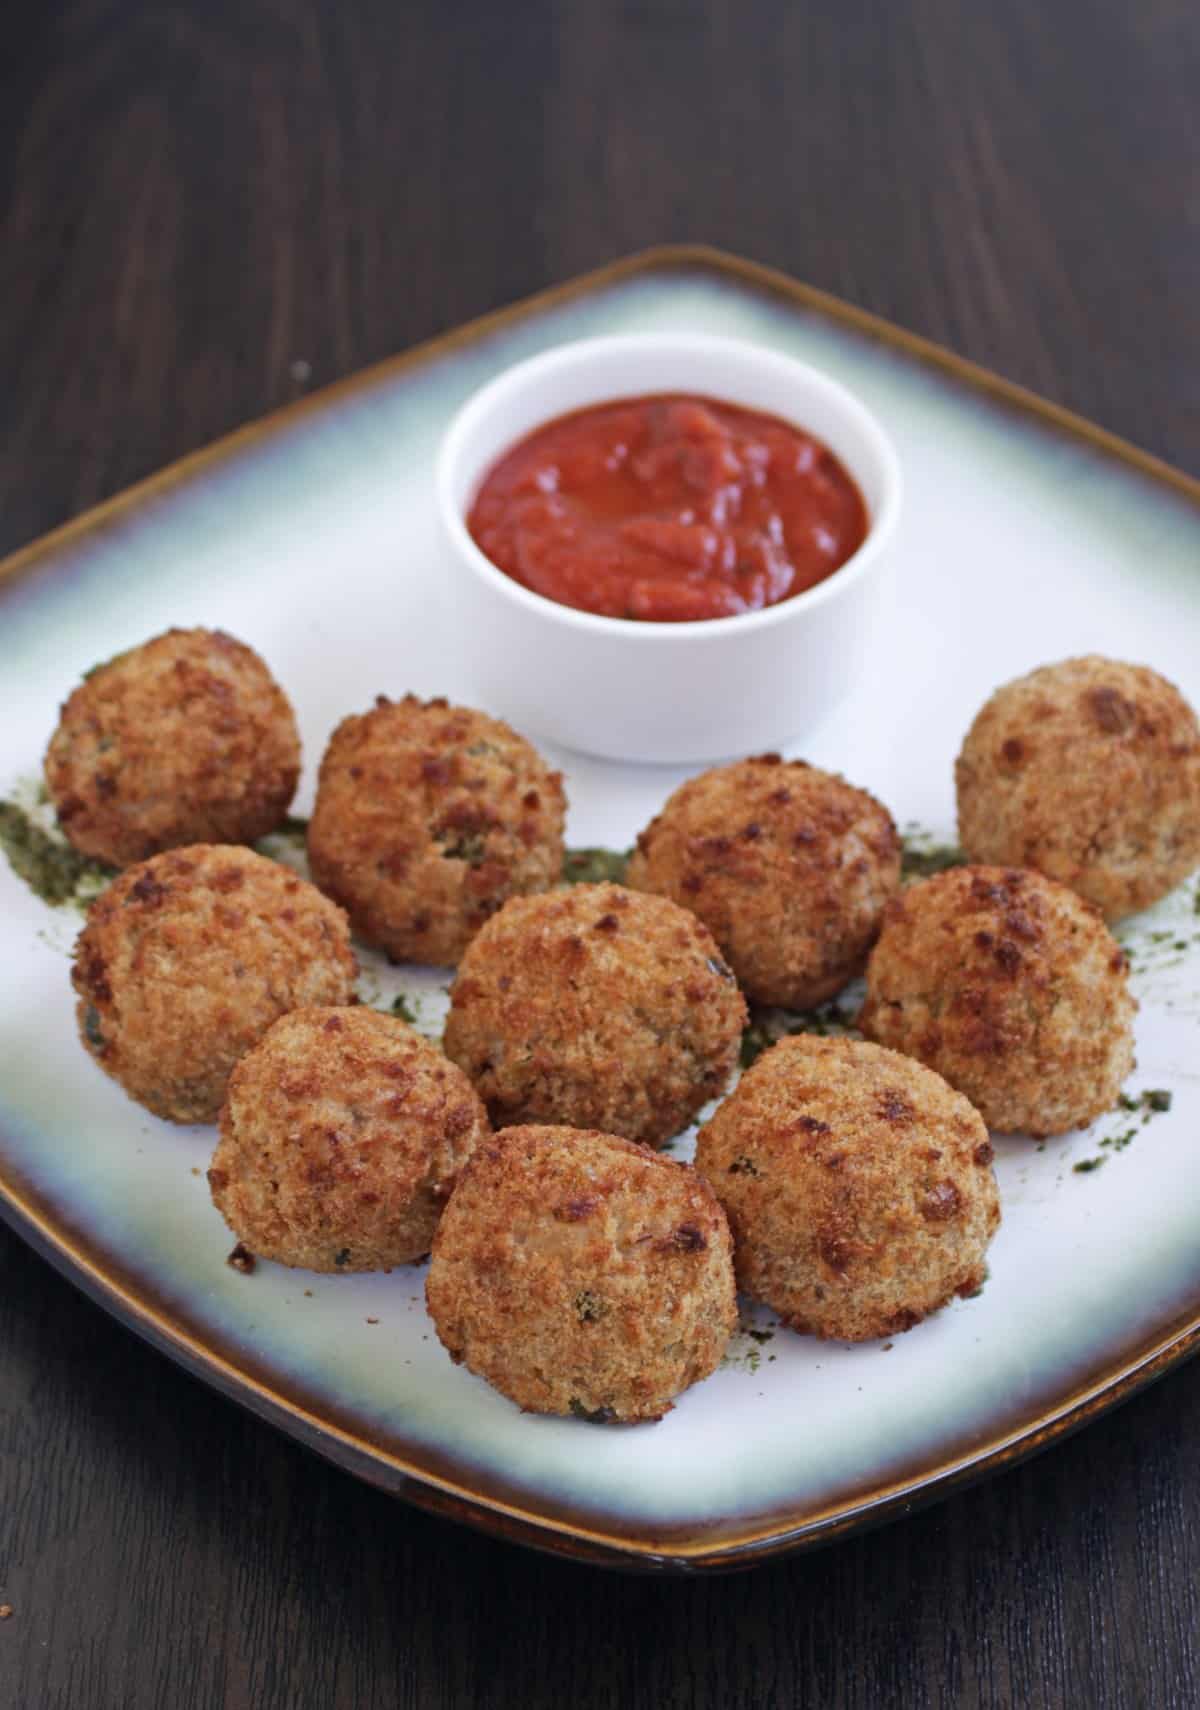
(678, 692)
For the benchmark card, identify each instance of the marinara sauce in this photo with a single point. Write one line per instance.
(668, 508)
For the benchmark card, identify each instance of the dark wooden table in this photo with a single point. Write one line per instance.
(210, 206)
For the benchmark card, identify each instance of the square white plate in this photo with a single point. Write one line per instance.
(1027, 537)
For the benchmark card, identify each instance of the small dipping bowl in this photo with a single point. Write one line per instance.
(624, 689)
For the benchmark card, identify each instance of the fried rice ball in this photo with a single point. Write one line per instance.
(187, 959)
(579, 1273)
(428, 817)
(789, 868)
(185, 739)
(1090, 772)
(1010, 986)
(342, 1134)
(858, 1185)
(598, 1007)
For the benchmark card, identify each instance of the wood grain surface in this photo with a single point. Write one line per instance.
(210, 207)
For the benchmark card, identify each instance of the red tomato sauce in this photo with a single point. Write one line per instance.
(668, 508)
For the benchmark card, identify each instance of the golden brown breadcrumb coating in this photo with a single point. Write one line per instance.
(187, 959)
(428, 817)
(581, 1274)
(342, 1134)
(598, 1007)
(789, 868)
(1010, 986)
(185, 739)
(1090, 772)
(858, 1185)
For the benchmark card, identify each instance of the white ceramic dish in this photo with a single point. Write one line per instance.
(675, 692)
(300, 536)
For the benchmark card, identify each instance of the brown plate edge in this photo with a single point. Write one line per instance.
(545, 1532)
(662, 257)
(1155, 1359)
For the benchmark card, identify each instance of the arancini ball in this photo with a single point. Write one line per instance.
(428, 817)
(581, 1274)
(599, 1007)
(187, 959)
(1088, 771)
(789, 868)
(1012, 988)
(342, 1134)
(185, 739)
(858, 1186)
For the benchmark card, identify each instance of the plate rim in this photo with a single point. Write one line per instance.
(658, 257)
(168, 1334)
(74, 1257)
